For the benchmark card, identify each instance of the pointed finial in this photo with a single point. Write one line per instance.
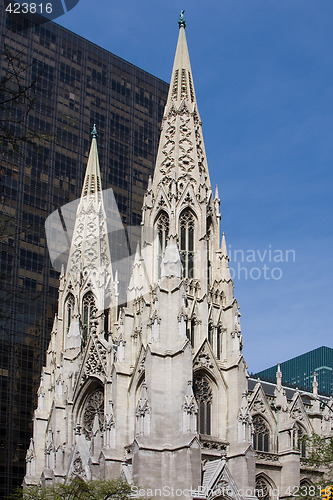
(315, 385)
(217, 192)
(94, 131)
(181, 20)
(279, 377)
(224, 246)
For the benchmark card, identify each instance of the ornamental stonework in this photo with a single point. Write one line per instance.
(93, 406)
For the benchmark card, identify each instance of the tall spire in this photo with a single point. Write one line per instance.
(181, 86)
(92, 179)
(89, 252)
(181, 154)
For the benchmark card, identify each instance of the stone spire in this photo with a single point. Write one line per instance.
(181, 154)
(89, 253)
(315, 385)
(279, 378)
(225, 271)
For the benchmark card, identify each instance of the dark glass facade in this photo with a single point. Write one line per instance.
(76, 84)
(298, 372)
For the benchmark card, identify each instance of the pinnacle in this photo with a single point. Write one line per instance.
(224, 246)
(92, 179)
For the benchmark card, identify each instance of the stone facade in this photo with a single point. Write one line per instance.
(157, 391)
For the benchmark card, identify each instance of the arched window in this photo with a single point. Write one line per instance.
(162, 227)
(218, 342)
(261, 434)
(299, 440)
(203, 395)
(262, 490)
(88, 307)
(186, 223)
(209, 259)
(210, 333)
(69, 309)
(191, 330)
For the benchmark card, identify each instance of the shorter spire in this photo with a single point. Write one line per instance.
(225, 271)
(278, 377)
(224, 246)
(181, 20)
(315, 385)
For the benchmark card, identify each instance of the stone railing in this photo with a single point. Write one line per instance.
(266, 456)
(211, 444)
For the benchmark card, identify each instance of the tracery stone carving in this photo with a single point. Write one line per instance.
(296, 412)
(93, 406)
(258, 405)
(77, 468)
(261, 433)
(262, 489)
(203, 360)
(142, 412)
(141, 367)
(203, 394)
(95, 362)
(269, 457)
(169, 145)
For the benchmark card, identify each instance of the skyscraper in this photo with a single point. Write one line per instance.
(299, 371)
(74, 84)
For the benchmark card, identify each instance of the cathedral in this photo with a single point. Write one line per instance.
(156, 390)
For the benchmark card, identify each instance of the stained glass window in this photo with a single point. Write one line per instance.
(203, 395)
(186, 223)
(261, 434)
(262, 489)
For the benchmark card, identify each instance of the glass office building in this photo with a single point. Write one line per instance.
(298, 372)
(74, 84)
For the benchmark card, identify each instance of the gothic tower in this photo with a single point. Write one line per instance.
(155, 391)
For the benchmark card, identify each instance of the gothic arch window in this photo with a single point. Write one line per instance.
(187, 224)
(191, 327)
(162, 227)
(203, 394)
(210, 333)
(192, 331)
(69, 310)
(88, 306)
(219, 342)
(262, 490)
(299, 435)
(93, 407)
(261, 434)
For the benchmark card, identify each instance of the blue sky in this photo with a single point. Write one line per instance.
(263, 74)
